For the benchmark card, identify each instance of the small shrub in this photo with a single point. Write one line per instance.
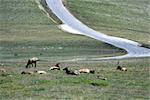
(99, 83)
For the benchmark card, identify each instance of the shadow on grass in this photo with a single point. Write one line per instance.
(84, 80)
(54, 17)
(145, 45)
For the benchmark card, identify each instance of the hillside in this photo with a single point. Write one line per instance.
(123, 18)
(26, 31)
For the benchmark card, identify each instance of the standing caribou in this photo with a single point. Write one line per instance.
(32, 61)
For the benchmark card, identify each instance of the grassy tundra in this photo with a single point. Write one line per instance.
(56, 85)
(26, 31)
(123, 18)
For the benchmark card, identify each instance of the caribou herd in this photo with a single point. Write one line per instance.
(32, 62)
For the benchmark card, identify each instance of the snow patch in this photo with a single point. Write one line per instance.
(69, 29)
(73, 25)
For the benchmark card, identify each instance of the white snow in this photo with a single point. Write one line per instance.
(69, 29)
(73, 25)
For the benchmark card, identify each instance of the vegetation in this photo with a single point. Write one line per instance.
(123, 18)
(133, 84)
(26, 31)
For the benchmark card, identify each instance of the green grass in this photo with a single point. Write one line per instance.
(26, 31)
(123, 18)
(133, 84)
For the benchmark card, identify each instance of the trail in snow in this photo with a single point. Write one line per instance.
(73, 25)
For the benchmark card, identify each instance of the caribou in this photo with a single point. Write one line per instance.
(32, 61)
(121, 68)
(71, 72)
(55, 67)
(86, 70)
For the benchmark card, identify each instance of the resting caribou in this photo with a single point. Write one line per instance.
(121, 68)
(86, 70)
(2, 70)
(71, 72)
(55, 67)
